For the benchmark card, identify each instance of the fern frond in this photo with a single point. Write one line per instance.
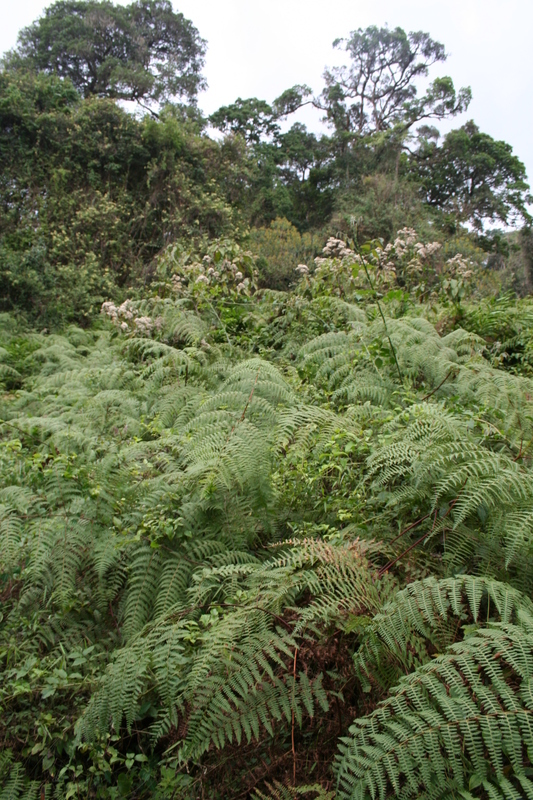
(280, 792)
(463, 723)
(14, 785)
(428, 615)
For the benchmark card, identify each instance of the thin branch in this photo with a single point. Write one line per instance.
(147, 108)
(427, 396)
(405, 552)
(410, 528)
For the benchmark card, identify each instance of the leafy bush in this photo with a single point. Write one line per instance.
(280, 248)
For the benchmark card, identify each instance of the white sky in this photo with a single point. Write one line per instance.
(261, 48)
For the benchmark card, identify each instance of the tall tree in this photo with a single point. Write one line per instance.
(377, 90)
(144, 51)
(256, 120)
(251, 118)
(474, 177)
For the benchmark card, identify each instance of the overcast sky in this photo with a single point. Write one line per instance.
(261, 48)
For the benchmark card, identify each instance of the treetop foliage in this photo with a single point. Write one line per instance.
(377, 91)
(144, 51)
(474, 177)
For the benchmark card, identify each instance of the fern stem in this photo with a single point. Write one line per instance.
(250, 398)
(410, 528)
(213, 309)
(258, 608)
(411, 547)
(292, 727)
(436, 389)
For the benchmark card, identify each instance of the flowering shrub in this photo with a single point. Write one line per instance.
(406, 263)
(129, 319)
(340, 270)
(336, 271)
(218, 286)
(412, 262)
(226, 270)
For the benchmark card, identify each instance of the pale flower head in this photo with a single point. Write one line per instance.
(458, 265)
(334, 247)
(408, 235)
(399, 246)
(125, 310)
(110, 310)
(144, 324)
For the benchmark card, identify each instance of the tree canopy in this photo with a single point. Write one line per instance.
(251, 118)
(378, 91)
(474, 177)
(143, 51)
(90, 190)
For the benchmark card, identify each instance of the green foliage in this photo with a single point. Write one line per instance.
(232, 520)
(474, 178)
(251, 118)
(108, 193)
(258, 543)
(144, 51)
(280, 792)
(280, 249)
(458, 726)
(424, 618)
(378, 90)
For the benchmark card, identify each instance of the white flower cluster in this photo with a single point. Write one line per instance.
(302, 269)
(177, 285)
(336, 248)
(406, 237)
(406, 240)
(144, 325)
(208, 273)
(408, 234)
(458, 266)
(124, 312)
(126, 315)
(426, 250)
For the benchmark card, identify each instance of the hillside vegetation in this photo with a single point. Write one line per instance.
(266, 430)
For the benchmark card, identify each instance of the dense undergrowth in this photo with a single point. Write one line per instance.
(266, 544)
